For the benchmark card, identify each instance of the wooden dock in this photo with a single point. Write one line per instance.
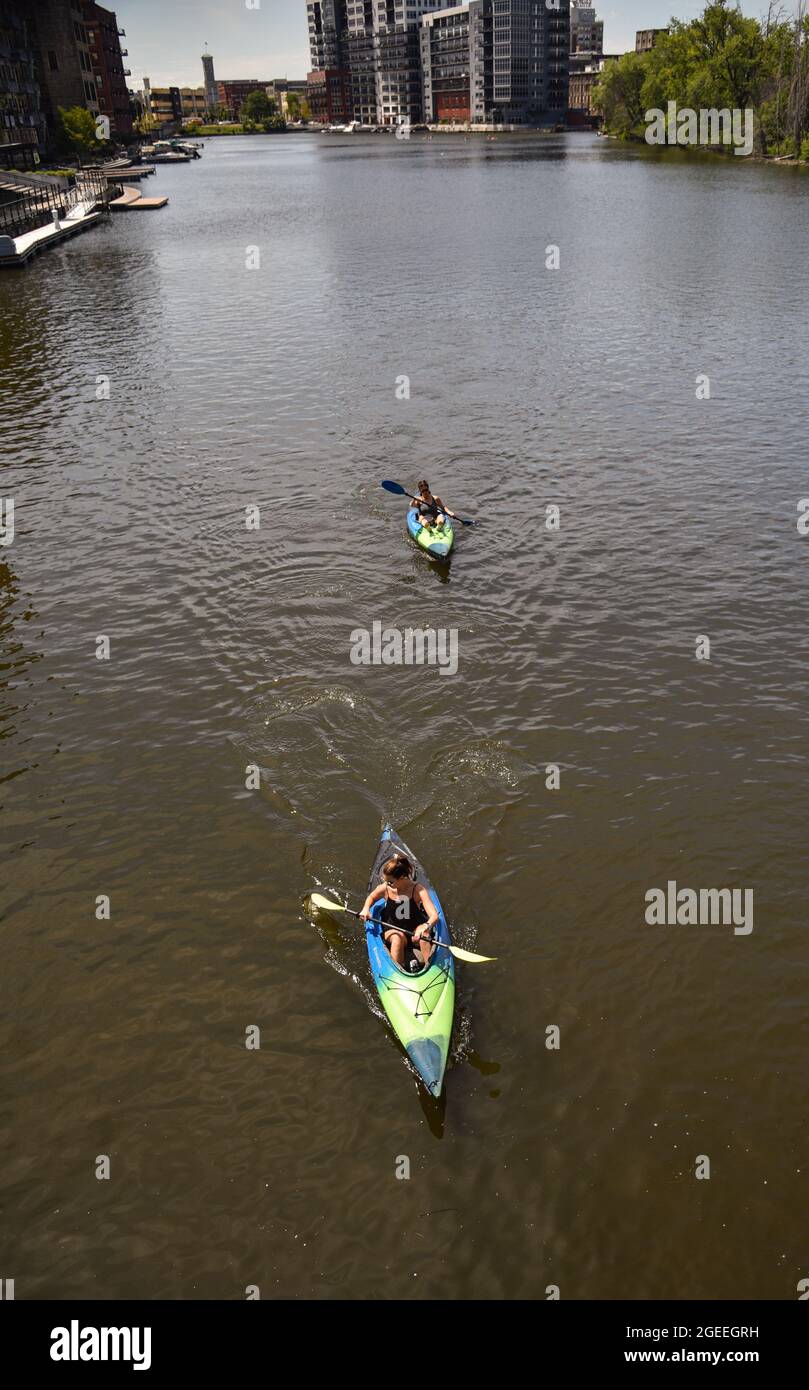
(132, 200)
(135, 171)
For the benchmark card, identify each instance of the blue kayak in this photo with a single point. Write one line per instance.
(420, 1007)
(435, 541)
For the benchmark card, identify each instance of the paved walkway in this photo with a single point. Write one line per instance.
(15, 251)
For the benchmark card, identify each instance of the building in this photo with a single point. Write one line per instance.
(164, 104)
(107, 59)
(282, 88)
(66, 73)
(231, 94)
(22, 119)
(327, 95)
(585, 71)
(172, 105)
(446, 65)
(194, 102)
(586, 32)
(209, 83)
(327, 28)
(519, 61)
(80, 62)
(498, 61)
(645, 39)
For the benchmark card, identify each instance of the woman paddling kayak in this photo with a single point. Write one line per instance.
(431, 510)
(408, 903)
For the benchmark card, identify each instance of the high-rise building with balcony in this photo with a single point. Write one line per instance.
(329, 94)
(327, 29)
(498, 61)
(66, 71)
(586, 31)
(22, 120)
(519, 61)
(446, 65)
(107, 58)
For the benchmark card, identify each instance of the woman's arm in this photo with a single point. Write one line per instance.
(442, 507)
(424, 900)
(365, 910)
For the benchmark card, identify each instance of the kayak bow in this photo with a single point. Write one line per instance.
(420, 1007)
(435, 541)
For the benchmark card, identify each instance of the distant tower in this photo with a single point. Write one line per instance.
(210, 81)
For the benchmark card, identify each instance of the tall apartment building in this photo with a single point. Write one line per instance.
(519, 61)
(500, 61)
(80, 61)
(446, 64)
(327, 28)
(107, 58)
(66, 68)
(586, 32)
(22, 120)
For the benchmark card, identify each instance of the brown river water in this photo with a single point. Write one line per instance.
(255, 334)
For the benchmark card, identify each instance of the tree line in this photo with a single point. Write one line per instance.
(720, 60)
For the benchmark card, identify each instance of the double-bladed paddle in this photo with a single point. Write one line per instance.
(326, 905)
(403, 492)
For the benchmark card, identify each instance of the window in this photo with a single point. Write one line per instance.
(53, 61)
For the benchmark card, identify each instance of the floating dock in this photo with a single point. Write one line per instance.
(132, 200)
(134, 171)
(16, 251)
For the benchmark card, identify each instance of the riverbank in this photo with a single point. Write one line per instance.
(211, 131)
(718, 151)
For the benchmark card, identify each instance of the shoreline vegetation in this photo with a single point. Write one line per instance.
(719, 61)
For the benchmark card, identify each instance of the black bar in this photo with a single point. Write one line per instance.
(213, 1338)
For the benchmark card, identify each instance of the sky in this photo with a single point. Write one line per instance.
(269, 38)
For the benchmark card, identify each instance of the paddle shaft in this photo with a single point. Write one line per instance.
(403, 492)
(433, 941)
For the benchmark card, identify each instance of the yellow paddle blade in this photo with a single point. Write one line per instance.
(325, 904)
(469, 955)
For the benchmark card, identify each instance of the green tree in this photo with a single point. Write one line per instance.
(76, 131)
(145, 124)
(257, 107)
(297, 107)
(618, 95)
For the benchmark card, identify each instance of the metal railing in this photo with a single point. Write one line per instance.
(37, 206)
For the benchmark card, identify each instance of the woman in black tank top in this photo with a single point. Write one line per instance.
(406, 904)
(431, 509)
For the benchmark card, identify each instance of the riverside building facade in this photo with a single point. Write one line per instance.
(486, 61)
(22, 119)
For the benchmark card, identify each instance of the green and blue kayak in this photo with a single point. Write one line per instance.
(435, 541)
(420, 1007)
